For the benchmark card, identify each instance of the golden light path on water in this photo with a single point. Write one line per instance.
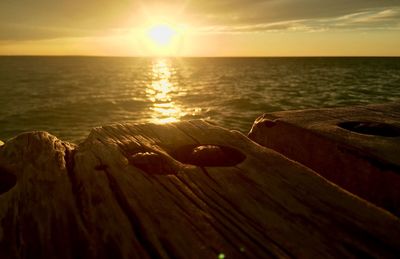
(164, 109)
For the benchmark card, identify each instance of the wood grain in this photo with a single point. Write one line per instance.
(357, 148)
(183, 190)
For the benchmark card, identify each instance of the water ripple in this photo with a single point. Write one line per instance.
(69, 95)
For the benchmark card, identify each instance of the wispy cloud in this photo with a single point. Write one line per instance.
(21, 32)
(377, 19)
(253, 28)
(381, 17)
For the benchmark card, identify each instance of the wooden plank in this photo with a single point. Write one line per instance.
(357, 148)
(183, 190)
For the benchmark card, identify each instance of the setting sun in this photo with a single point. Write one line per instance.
(163, 38)
(162, 34)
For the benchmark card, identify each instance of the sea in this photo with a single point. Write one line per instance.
(68, 96)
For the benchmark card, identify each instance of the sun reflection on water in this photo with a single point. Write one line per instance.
(160, 92)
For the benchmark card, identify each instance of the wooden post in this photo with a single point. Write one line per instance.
(183, 190)
(357, 148)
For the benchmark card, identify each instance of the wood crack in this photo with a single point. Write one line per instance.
(178, 202)
(187, 134)
(69, 157)
(81, 244)
(234, 228)
(137, 227)
(248, 223)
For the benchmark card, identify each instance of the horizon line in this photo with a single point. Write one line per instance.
(272, 56)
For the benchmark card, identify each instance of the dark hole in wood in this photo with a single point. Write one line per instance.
(152, 163)
(269, 123)
(371, 128)
(7, 181)
(101, 167)
(208, 155)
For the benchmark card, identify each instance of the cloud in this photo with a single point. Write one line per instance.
(375, 19)
(383, 19)
(262, 27)
(42, 19)
(269, 11)
(372, 17)
(22, 32)
(88, 14)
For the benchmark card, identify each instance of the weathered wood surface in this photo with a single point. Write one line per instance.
(141, 191)
(357, 148)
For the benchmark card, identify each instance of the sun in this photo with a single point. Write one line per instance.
(163, 38)
(162, 34)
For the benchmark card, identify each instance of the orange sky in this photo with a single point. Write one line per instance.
(200, 28)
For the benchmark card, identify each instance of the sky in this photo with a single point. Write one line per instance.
(201, 28)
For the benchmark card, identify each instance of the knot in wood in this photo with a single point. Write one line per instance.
(371, 128)
(209, 155)
(152, 163)
(268, 123)
(207, 152)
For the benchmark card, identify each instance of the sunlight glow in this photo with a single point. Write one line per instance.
(162, 34)
(159, 93)
(162, 38)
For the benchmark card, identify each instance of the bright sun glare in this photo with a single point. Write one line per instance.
(164, 38)
(162, 34)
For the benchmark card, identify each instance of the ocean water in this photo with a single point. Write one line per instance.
(68, 96)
